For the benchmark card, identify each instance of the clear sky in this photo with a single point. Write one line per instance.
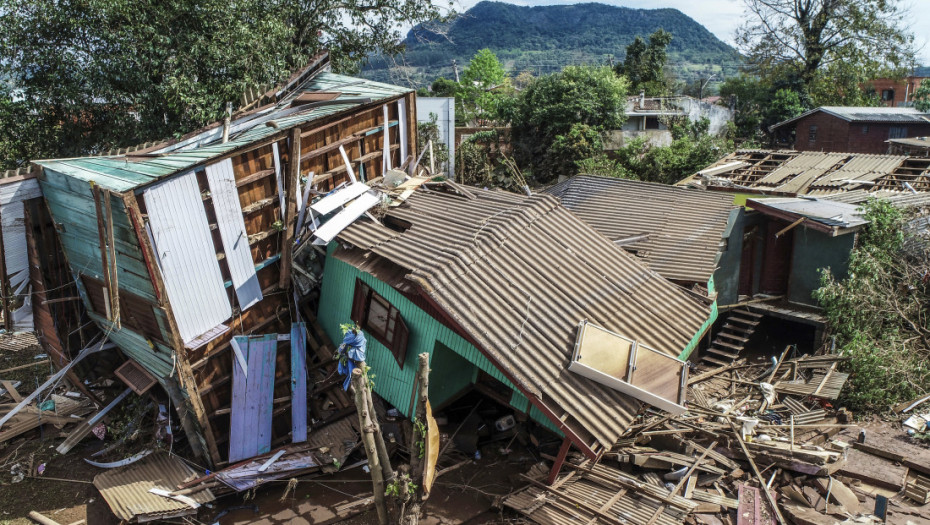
(722, 17)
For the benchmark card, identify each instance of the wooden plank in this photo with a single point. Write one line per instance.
(101, 238)
(239, 416)
(10, 389)
(264, 396)
(290, 214)
(111, 258)
(298, 382)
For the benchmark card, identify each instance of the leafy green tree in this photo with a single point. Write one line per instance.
(922, 97)
(802, 38)
(485, 70)
(880, 313)
(751, 96)
(644, 64)
(785, 104)
(106, 73)
(581, 142)
(551, 105)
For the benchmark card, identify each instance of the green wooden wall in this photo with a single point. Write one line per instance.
(71, 203)
(427, 335)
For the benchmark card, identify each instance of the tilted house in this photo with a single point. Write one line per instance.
(499, 288)
(180, 246)
(688, 236)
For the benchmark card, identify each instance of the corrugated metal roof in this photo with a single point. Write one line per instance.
(865, 114)
(814, 173)
(126, 489)
(685, 227)
(125, 172)
(518, 274)
(828, 212)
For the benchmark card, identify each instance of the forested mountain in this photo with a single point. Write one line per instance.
(546, 38)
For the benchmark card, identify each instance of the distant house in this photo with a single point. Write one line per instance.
(499, 288)
(897, 92)
(688, 236)
(851, 129)
(648, 117)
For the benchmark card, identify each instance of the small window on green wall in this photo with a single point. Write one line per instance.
(381, 319)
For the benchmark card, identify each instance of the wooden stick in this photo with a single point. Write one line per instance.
(368, 440)
(38, 518)
(111, 258)
(682, 482)
(290, 213)
(102, 239)
(755, 470)
(20, 367)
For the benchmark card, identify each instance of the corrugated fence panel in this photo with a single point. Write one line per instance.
(231, 224)
(184, 246)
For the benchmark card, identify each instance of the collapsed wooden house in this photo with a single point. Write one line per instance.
(178, 247)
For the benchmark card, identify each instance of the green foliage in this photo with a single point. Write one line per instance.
(751, 97)
(691, 150)
(785, 104)
(880, 313)
(644, 65)
(485, 70)
(544, 39)
(604, 166)
(828, 46)
(549, 108)
(922, 97)
(429, 131)
(581, 142)
(110, 73)
(420, 429)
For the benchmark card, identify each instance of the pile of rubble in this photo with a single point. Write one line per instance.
(759, 444)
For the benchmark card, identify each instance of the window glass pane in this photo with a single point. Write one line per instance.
(378, 315)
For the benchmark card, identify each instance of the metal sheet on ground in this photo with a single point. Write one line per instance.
(184, 246)
(229, 220)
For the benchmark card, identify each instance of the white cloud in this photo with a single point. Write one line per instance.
(722, 17)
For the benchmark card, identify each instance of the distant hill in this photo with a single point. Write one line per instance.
(546, 38)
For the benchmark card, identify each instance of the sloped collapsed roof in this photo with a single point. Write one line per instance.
(685, 227)
(826, 215)
(518, 274)
(788, 172)
(125, 172)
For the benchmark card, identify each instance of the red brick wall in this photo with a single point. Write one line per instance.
(835, 134)
(831, 134)
(906, 85)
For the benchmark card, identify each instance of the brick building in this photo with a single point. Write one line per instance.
(851, 129)
(898, 92)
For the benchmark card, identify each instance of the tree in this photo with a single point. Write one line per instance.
(551, 105)
(784, 105)
(800, 38)
(880, 313)
(485, 70)
(107, 73)
(751, 96)
(922, 97)
(644, 64)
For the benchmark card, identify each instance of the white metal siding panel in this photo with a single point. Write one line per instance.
(444, 109)
(14, 244)
(229, 220)
(402, 125)
(20, 191)
(186, 255)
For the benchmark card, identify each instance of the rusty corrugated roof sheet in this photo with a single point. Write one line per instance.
(685, 227)
(518, 274)
(126, 489)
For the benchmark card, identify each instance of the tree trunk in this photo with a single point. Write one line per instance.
(417, 446)
(368, 440)
(383, 457)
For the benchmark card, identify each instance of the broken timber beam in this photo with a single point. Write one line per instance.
(759, 478)
(290, 213)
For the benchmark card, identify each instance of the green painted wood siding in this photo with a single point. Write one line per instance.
(392, 383)
(71, 204)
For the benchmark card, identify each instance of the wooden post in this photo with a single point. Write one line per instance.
(102, 239)
(290, 214)
(383, 456)
(111, 258)
(559, 461)
(368, 440)
(416, 461)
(755, 470)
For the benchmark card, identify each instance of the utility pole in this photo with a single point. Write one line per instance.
(455, 68)
(701, 96)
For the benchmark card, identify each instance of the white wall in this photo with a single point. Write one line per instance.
(444, 109)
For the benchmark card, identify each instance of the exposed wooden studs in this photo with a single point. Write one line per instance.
(113, 286)
(290, 213)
